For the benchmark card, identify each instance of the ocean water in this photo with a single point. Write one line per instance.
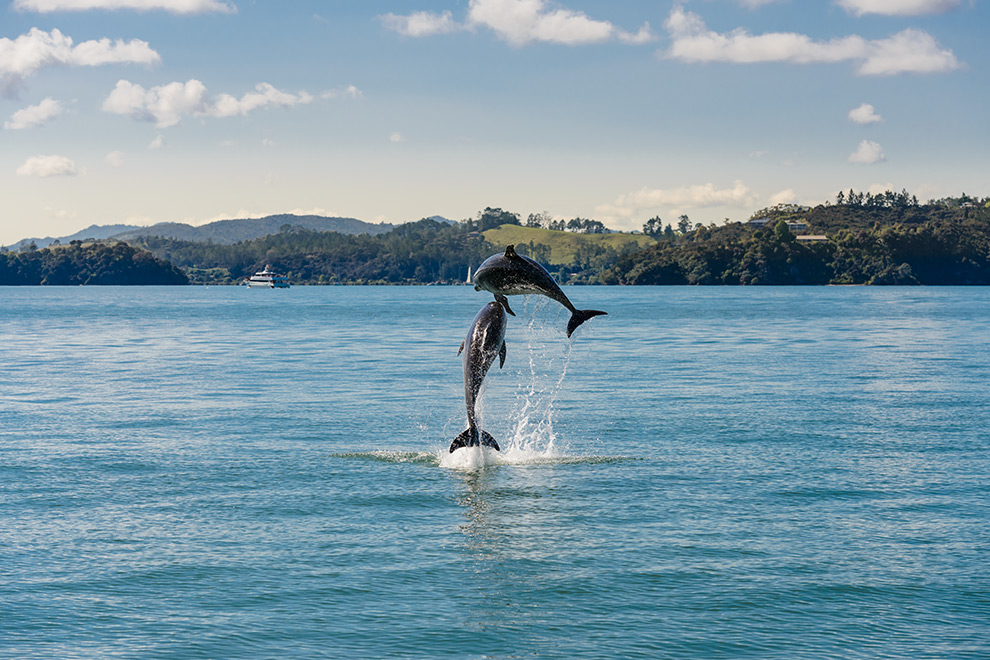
(704, 473)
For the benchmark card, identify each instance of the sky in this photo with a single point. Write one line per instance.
(144, 111)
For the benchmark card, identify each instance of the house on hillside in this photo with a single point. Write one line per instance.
(795, 226)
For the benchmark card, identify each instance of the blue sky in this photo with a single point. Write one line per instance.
(141, 111)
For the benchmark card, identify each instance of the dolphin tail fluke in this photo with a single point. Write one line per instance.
(463, 440)
(580, 316)
(488, 441)
(473, 438)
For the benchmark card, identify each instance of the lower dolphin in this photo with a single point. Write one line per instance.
(512, 274)
(484, 341)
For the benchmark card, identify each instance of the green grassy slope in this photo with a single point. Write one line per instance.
(563, 245)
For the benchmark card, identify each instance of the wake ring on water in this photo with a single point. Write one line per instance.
(474, 458)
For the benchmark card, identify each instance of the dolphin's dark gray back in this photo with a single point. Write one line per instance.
(511, 274)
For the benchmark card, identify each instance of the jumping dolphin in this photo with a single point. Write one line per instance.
(484, 341)
(512, 274)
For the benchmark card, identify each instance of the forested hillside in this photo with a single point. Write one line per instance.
(862, 244)
(93, 263)
(418, 252)
(219, 231)
(245, 229)
(888, 238)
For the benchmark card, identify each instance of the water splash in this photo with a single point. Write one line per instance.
(548, 356)
(527, 434)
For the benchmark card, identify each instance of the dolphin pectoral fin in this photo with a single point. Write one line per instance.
(505, 303)
(488, 441)
(463, 440)
(501, 356)
(580, 316)
(461, 349)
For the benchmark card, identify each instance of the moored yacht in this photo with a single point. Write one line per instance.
(267, 279)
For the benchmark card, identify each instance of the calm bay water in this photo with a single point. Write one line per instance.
(704, 473)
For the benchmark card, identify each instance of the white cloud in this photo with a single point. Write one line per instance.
(909, 51)
(755, 4)
(44, 166)
(783, 197)
(868, 153)
(174, 6)
(157, 143)
(114, 158)
(396, 137)
(864, 114)
(28, 53)
(519, 22)
(421, 23)
(898, 7)
(264, 95)
(880, 188)
(166, 105)
(35, 115)
(350, 92)
(686, 197)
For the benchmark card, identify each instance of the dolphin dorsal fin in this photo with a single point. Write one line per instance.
(510, 252)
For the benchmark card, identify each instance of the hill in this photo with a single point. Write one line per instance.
(87, 263)
(420, 252)
(565, 247)
(931, 244)
(226, 232)
(91, 232)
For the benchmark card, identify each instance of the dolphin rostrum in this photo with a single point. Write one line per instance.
(513, 274)
(484, 341)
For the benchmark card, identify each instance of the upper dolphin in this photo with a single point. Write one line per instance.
(511, 274)
(484, 341)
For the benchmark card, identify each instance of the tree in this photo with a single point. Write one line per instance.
(539, 219)
(585, 226)
(684, 224)
(783, 232)
(594, 227)
(653, 227)
(491, 218)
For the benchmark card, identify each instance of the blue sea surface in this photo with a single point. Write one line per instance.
(225, 473)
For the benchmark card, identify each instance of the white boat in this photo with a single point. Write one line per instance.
(266, 279)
